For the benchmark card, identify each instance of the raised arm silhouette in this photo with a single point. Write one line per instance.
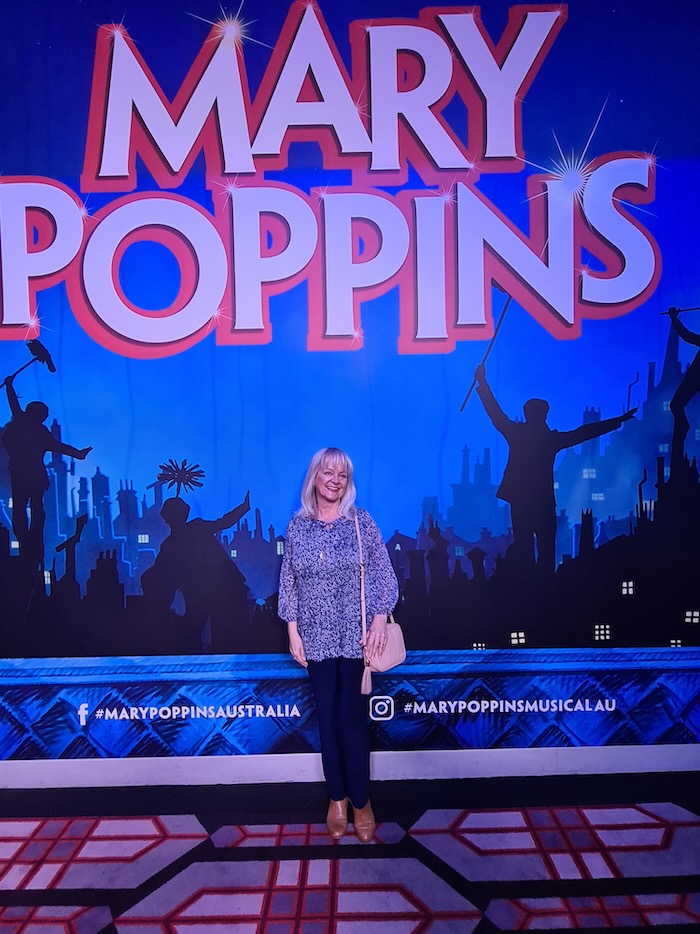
(193, 561)
(27, 440)
(528, 479)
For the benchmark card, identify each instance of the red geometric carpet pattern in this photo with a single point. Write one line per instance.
(247, 835)
(565, 842)
(54, 919)
(452, 872)
(84, 852)
(307, 896)
(613, 911)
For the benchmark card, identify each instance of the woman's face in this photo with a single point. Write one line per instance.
(331, 483)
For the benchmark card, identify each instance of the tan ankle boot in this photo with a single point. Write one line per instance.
(364, 823)
(337, 818)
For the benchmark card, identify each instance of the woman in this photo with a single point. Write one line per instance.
(319, 598)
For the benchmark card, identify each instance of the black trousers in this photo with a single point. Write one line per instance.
(342, 727)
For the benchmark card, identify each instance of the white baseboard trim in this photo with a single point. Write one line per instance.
(386, 766)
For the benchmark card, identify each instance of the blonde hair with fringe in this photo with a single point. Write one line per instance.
(333, 457)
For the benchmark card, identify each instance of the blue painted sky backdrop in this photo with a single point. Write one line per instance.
(252, 416)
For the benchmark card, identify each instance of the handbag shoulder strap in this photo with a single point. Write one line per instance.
(362, 580)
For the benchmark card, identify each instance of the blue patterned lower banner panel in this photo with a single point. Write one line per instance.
(258, 704)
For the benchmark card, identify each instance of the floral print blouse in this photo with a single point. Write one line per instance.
(320, 583)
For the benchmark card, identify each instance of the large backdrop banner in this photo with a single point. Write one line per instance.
(460, 243)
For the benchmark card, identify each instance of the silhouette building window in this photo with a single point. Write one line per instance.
(667, 406)
(459, 551)
(598, 497)
(9, 502)
(517, 638)
(627, 588)
(479, 646)
(664, 448)
(556, 484)
(667, 473)
(280, 548)
(144, 538)
(14, 546)
(589, 473)
(697, 434)
(47, 578)
(234, 552)
(602, 632)
(692, 616)
(397, 546)
(675, 643)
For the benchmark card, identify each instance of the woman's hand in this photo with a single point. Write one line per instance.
(376, 637)
(296, 646)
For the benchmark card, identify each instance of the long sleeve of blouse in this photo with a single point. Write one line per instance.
(287, 599)
(381, 586)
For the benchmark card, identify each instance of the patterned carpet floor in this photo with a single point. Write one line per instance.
(462, 856)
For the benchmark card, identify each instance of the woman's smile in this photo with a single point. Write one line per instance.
(331, 483)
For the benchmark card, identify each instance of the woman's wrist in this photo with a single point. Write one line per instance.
(379, 621)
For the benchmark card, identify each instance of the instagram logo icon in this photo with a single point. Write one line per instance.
(381, 707)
